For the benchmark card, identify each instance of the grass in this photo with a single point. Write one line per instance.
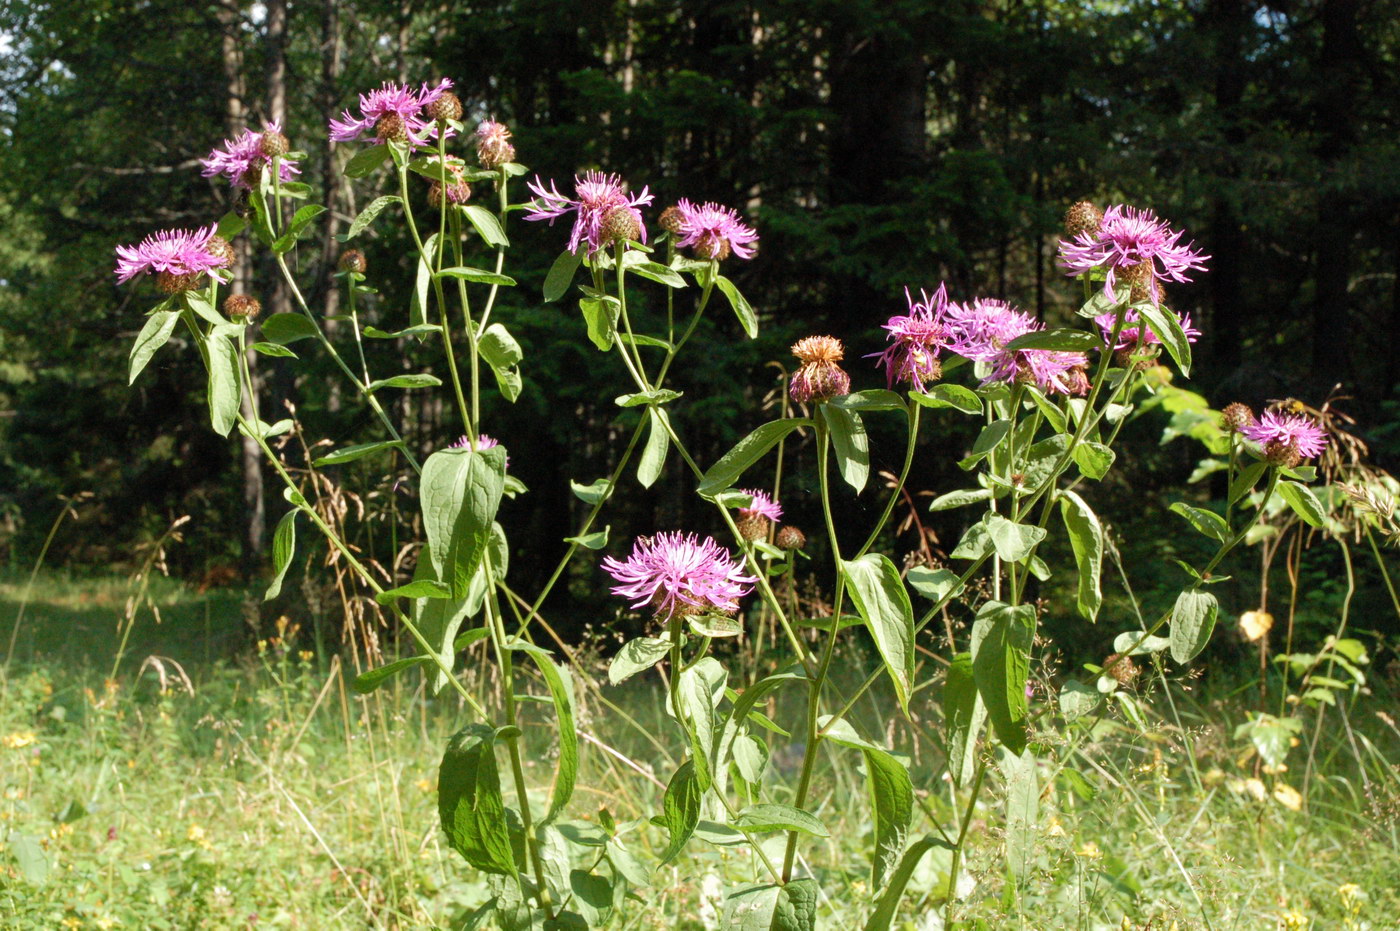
(201, 790)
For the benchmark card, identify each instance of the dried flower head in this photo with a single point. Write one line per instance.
(352, 260)
(493, 147)
(221, 248)
(273, 144)
(670, 220)
(179, 257)
(1132, 243)
(243, 158)
(1235, 417)
(820, 377)
(916, 340)
(1287, 439)
(596, 194)
(458, 190)
(713, 231)
(679, 574)
(242, 305)
(394, 113)
(790, 538)
(1082, 217)
(1121, 667)
(621, 224)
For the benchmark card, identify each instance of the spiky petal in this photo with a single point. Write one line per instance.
(916, 340)
(679, 573)
(595, 195)
(713, 231)
(396, 100)
(980, 331)
(176, 253)
(243, 158)
(1134, 244)
(1287, 439)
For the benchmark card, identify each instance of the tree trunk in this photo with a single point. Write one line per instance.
(1227, 20)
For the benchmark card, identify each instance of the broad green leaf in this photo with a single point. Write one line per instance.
(30, 859)
(1303, 502)
(460, 490)
(300, 222)
(599, 490)
(748, 319)
(418, 588)
(422, 279)
(1001, 655)
(957, 499)
(155, 334)
(1078, 699)
(640, 398)
(767, 816)
(653, 458)
(230, 225)
(591, 541)
(470, 807)
(882, 601)
(933, 584)
(887, 906)
(287, 328)
(372, 679)
(404, 381)
(891, 803)
(1086, 539)
(1022, 811)
(1208, 523)
(655, 271)
(1061, 339)
(1247, 478)
(198, 302)
(422, 329)
(745, 453)
(697, 713)
(990, 437)
(366, 160)
(750, 757)
(1167, 326)
(284, 542)
(955, 396)
(744, 704)
(680, 809)
(478, 275)
(975, 543)
(367, 216)
(851, 444)
(792, 907)
(561, 690)
(358, 451)
(1012, 541)
(601, 318)
(1193, 621)
(964, 714)
(1139, 643)
(486, 225)
(503, 354)
(224, 389)
(561, 274)
(872, 399)
(272, 349)
(1094, 459)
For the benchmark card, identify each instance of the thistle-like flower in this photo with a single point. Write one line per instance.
(712, 231)
(493, 147)
(680, 574)
(762, 513)
(394, 112)
(596, 194)
(1287, 439)
(480, 444)
(1135, 245)
(912, 357)
(243, 158)
(179, 257)
(980, 332)
(458, 190)
(819, 377)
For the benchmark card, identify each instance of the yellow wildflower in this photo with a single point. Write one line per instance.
(1293, 920)
(1288, 797)
(19, 740)
(1090, 851)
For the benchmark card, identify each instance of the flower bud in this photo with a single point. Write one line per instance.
(790, 538)
(621, 224)
(1282, 455)
(391, 128)
(242, 305)
(458, 192)
(352, 260)
(272, 144)
(711, 246)
(446, 107)
(1082, 217)
(171, 283)
(1235, 417)
(670, 220)
(222, 248)
(1121, 667)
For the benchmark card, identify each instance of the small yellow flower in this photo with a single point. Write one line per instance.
(107, 922)
(1054, 829)
(424, 785)
(1090, 851)
(1349, 890)
(19, 740)
(1288, 797)
(1256, 789)
(72, 921)
(1293, 920)
(306, 656)
(196, 834)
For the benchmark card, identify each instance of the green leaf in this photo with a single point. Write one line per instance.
(990, 437)
(372, 679)
(486, 224)
(745, 453)
(882, 601)
(934, 584)
(696, 695)
(791, 907)
(591, 541)
(287, 328)
(891, 802)
(851, 444)
(964, 713)
(748, 319)
(421, 329)
(1012, 541)
(470, 807)
(599, 490)
(367, 216)
(1245, 481)
(766, 816)
(1193, 621)
(155, 334)
(1303, 502)
(198, 302)
(637, 399)
(975, 543)
(478, 275)
(1167, 326)
(637, 655)
(404, 381)
(1001, 655)
(1086, 539)
(1139, 643)
(300, 221)
(503, 354)
(955, 396)
(957, 499)
(653, 458)
(418, 588)
(422, 278)
(1094, 459)
(1022, 811)
(30, 858)
(680, 809)
(1060, 339)
(888, 904)
(224, 389)
(561, 274)
(1207, 522)
(601, 317)
(366, 160)
(230, 225)
(460, 490)
(1078, 699)
(272, 349)
(358, 451)
(284, 543)
(872, 399)
(561, 691)
(655, 271)
(744, 704)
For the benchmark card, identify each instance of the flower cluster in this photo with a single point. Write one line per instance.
(393, 113)
(179, 258)
(1133, 245)
(596, 196)
(679, 574)
(243, 158)
(981, 330)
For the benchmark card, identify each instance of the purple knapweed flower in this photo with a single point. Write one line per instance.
(596, 195)
(713, 231)
(394, 113)
(762, 513)
(493, 146)
(481, 443)
(680, 573)
(243, 158)
(1287, 439)
(912, 357)
(1135, 245)
(980, 332)
(1133, 328)
(175, 253)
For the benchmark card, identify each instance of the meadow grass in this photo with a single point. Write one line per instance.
(236, 784)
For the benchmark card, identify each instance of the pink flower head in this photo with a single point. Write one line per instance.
(178, 252)
(398, 100)
(1132, 328)
(1135, 244)
(713, 231)
(763, 506)
(493, 146)
(980, 332)
(680, 573)
(596, 194)
(242, 159)
(482, 442)
(1287, 439)
(913, 356)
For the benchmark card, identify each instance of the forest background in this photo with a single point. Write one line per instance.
(875, 145)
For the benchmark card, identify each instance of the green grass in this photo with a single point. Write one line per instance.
(270, 795)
